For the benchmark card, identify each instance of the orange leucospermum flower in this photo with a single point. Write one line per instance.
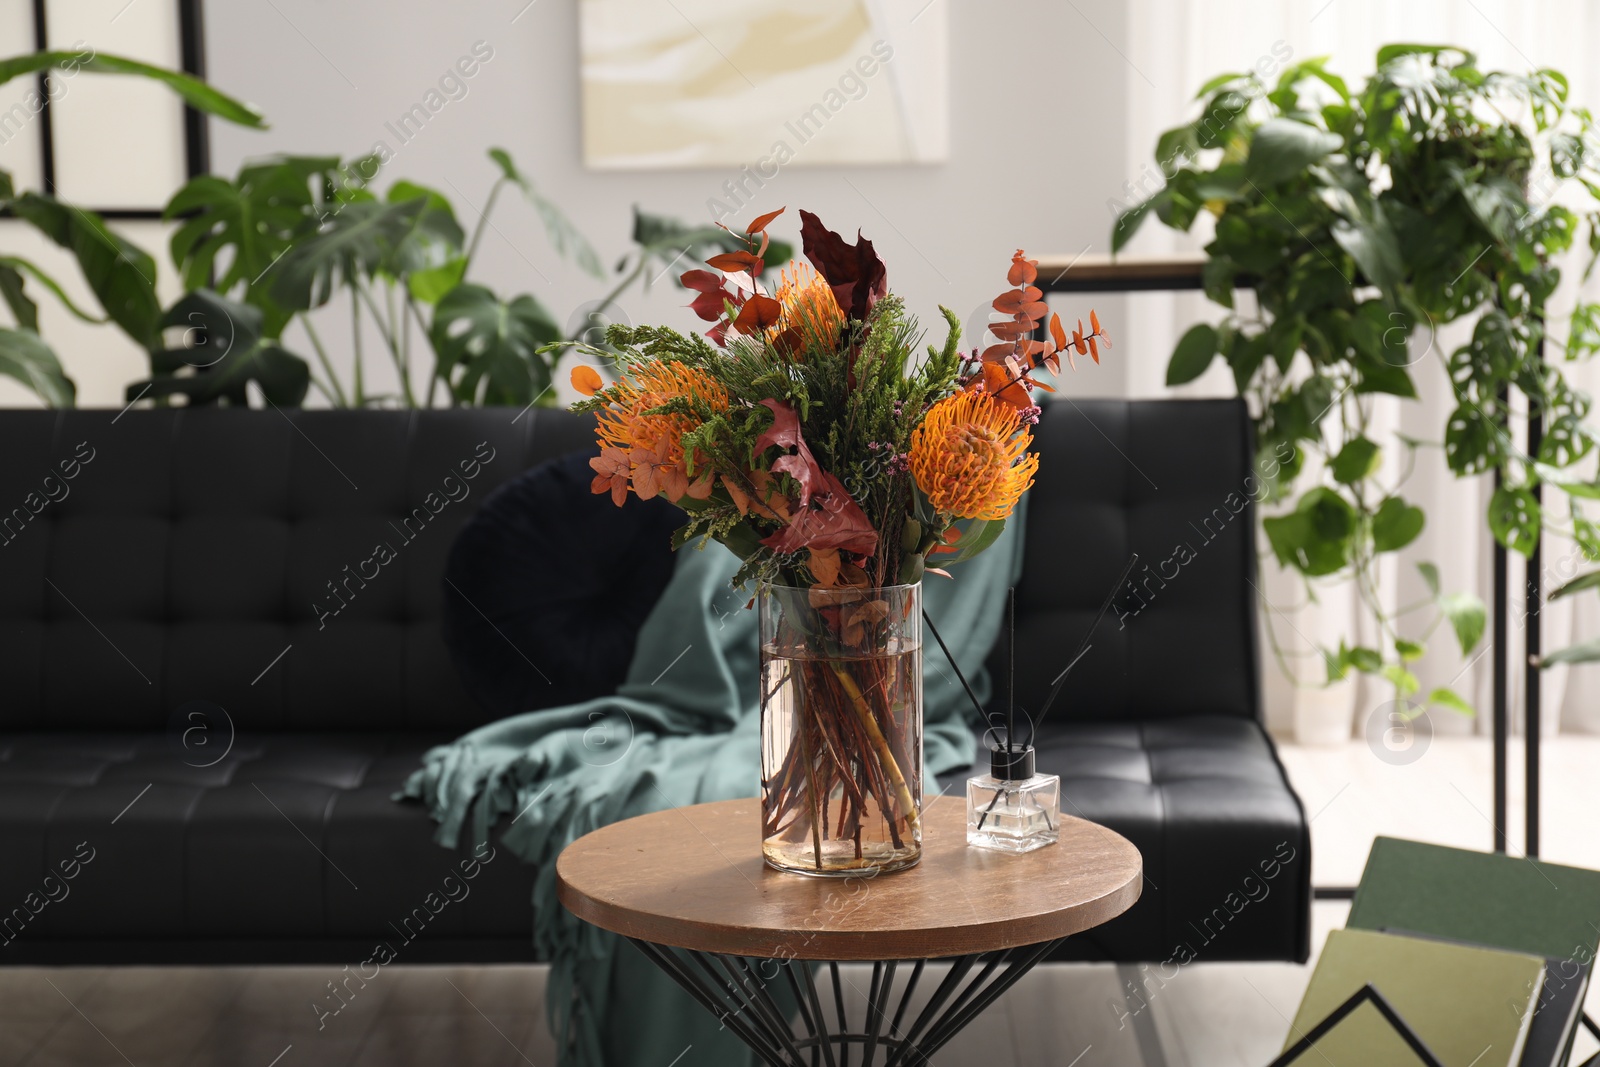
(970, 456)
(652, 441)
(808, 303)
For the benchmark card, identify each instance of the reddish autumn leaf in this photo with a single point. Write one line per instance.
(701, 487)
(1013, 301)
(586, 380)
(1094, 321)
(709, 306)
(789, 341)
(701, 281)
(1034, 310)
(760, 223)
(611, 474)
(655, 471)
(833, 520)
(824, 564)
(785, 433)
(719, 334)
(999, 353)
(803, 469)
(740, 498)
(1010, 330)
(1007, 384)
(1023, 271)
(734, 262)
(1057, 333)
(785, 429)
(854, 271)
(759, 313)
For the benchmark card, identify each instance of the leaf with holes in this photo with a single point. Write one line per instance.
(248, 223)
(1471, 441)
(1514, 518)
(223, 349)
(487, 350)
(361, 239)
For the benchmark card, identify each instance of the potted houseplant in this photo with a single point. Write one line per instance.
(1364, 217)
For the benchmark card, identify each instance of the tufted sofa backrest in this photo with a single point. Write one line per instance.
(1173, 481)
(285, 565)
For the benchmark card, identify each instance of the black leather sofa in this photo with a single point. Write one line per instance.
(212, 679)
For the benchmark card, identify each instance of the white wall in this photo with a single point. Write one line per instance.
(1037, 119)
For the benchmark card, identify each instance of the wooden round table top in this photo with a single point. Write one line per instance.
(694, 878)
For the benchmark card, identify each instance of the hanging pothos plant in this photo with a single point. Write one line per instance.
(1360, 217)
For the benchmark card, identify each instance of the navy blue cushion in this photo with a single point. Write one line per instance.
(547, 585)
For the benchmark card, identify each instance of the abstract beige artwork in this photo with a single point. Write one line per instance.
(713, 83)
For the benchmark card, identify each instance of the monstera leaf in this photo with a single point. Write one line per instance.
(25, 357)
(224, 350)
(427, 257)
(563, 236)
(121, 275)
(255, 219)
(487, 350)
(360, 239)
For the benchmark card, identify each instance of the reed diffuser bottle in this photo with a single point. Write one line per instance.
(1013, 808)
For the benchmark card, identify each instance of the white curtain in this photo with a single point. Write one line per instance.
(1174, 47)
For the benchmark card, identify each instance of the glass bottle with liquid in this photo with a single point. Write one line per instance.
(1013, 808)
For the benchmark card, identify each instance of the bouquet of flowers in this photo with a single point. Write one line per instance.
(804, 432)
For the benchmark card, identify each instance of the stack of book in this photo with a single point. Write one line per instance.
(1484, 958)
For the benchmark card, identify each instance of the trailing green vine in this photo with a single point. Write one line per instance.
(1362, 218)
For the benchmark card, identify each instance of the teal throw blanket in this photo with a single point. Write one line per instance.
(682, 729)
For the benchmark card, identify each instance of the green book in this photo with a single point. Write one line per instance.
(1543, 909)
(1471, 1006)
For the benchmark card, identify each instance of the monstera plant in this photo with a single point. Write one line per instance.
(297, 233)
(121, 276)
(285, 238)
(1363, 218)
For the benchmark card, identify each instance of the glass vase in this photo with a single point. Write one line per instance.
(841, 728)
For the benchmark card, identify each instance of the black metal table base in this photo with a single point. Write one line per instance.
(814, 1029)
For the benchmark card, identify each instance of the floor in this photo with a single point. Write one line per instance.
(1445, 795)
(1062, 1015)
(1217, 1015)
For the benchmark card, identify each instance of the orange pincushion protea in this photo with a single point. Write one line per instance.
(808, 303)
(970, 456)
(644, 448)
